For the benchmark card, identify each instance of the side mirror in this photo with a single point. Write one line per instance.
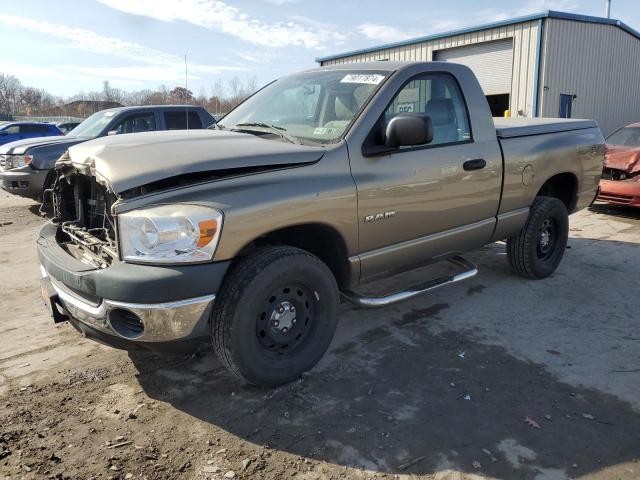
(408, 129)
(112, 132)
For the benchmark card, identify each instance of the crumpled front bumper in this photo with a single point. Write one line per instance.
(171, 327)
(620, 192)
(164, 309)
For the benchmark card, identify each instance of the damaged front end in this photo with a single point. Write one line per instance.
(620, 182)
(82, 208)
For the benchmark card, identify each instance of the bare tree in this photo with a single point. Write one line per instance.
(30, 100)
(16, 99)
(10, 88)
(235, 87)
(252, 85)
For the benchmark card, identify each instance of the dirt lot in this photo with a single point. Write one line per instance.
(496, 378)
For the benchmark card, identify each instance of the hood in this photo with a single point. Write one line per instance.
(623, 158)
(134, 160)
(20, 146)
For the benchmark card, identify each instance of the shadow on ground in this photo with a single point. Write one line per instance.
(620, 211)
(400, 398)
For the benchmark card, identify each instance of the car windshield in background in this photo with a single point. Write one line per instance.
(315, 106)
(627, 136)
(92, 126)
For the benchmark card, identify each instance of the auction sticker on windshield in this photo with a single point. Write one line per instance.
(370, 78)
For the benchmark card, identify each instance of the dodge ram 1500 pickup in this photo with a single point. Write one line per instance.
(248, 234)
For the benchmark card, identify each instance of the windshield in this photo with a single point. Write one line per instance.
(315, 106)
(92, 126)
(627, 136)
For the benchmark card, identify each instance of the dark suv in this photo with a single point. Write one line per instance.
(26, 165)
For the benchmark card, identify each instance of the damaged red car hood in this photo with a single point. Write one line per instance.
(623, 158)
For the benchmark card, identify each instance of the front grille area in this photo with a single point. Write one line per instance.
(616, 174)
(82, 207)
(616, 198)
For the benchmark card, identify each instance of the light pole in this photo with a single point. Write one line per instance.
(608, 8)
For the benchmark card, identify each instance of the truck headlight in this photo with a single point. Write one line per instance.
(170, 234)
(16, 161)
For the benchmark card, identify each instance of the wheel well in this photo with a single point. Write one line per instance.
(563, 186)
(321, 240)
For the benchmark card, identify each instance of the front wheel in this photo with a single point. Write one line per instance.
(538, 249)
(275, 315)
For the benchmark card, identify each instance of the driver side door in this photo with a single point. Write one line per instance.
(420, 203)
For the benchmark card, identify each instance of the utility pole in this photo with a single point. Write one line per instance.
(608, 8)
(186, 87)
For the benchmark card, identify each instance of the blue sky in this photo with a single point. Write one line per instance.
(67, 46)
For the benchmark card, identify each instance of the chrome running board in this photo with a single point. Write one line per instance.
(378, 302)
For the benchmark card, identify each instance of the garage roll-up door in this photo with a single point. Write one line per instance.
(491, 62)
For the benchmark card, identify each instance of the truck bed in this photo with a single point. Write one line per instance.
(522, 127)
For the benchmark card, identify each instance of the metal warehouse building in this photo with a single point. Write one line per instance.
(551, 64)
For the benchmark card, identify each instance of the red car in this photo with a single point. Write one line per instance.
(620, 183)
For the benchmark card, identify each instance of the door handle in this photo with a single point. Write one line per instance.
(477, 164)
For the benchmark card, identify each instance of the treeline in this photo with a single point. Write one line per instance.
(17, 99)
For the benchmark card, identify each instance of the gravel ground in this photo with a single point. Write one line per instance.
(496, 378)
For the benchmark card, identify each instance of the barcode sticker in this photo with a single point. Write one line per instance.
(369, 78)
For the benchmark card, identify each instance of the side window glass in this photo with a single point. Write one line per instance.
(194, 120)
(142, 122)
(439, 97)
(34, 129)
(12, 130)
(178, 120)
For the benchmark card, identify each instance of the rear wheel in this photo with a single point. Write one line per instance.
(538, 249)
(275, 315)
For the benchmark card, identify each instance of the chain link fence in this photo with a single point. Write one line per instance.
(52, 119)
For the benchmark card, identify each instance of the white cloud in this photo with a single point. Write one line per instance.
(389, 34)
(118, 76)
(529, 7)
(89, 41)
(156, 65)
(384, 33)
(282, 2)
(218, 15)
(54, 72)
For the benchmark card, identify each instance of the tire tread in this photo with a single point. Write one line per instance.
(519, 248)
(231, 294)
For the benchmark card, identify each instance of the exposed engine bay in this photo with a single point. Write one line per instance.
(82, 208)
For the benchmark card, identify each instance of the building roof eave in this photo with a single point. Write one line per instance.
(527, 18)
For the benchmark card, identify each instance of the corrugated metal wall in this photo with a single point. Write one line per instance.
(598, 63)
(524, 57)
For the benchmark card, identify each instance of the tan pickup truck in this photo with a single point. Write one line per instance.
(248, 234)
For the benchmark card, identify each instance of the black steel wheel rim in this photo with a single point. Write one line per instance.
(285, 319)
(547, 238)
